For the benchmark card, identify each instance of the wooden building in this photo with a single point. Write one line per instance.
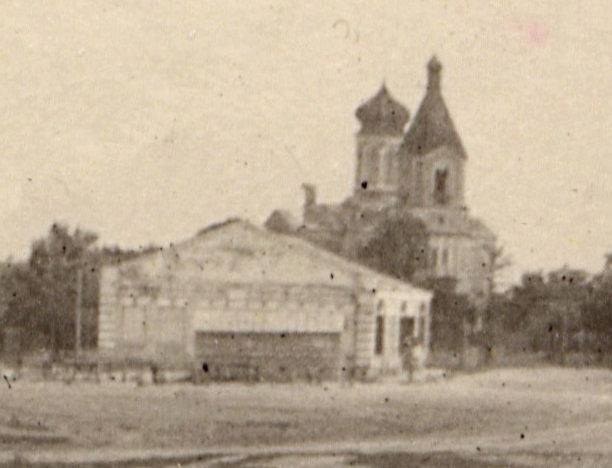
(239, 302)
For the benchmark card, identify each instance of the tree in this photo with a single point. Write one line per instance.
(597, 313)
(398, 247)
(44, 290)
(542, 314)
(452, 316)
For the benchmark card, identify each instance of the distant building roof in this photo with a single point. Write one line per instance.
(382, 115)
(432, 126)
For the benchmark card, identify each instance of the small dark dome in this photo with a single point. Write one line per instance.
(382, 115)
(434, 65)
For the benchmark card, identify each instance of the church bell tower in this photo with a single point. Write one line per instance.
(383, 120)
(432, 155)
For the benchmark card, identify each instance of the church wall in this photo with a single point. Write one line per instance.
(465, 257)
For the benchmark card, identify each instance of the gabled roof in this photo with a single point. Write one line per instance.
(237, 251)
(295, 245)
(382, 115)
(432, 126)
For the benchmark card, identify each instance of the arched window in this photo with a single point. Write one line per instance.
(370, 170)
(390, 167)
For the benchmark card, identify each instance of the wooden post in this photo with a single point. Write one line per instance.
(465, 344)
(565, 309)
(78, 311)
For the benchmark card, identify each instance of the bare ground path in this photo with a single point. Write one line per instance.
(524, 417)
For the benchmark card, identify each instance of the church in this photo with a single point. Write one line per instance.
(414, 169)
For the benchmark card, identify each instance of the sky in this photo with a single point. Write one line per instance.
(145, 121)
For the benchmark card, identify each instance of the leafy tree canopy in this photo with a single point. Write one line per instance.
(398, 247)
(43, 291)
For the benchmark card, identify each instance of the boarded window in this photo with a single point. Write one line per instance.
(379, 344)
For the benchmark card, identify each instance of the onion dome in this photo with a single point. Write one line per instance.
(382, 115)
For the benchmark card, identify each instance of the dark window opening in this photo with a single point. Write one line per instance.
(406, 331)
(379, 344)
(441, 195)
(433, 258)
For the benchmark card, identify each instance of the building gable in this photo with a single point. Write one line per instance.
(238, 252)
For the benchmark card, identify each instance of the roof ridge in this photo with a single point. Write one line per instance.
(343, 262)
(220, 224)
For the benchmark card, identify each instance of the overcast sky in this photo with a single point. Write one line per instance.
(144, 121)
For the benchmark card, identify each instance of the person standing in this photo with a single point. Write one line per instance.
(408, 356)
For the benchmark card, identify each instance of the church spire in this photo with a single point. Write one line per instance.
(432, 126)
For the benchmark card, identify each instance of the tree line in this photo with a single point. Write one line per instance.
(566, 311)
(563, 313)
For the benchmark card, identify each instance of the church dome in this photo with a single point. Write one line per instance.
(382, 115)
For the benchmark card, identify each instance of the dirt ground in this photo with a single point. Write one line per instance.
(511, 417)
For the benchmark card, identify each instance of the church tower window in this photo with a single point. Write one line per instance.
(441, 195)
(433, 258)
(371, 169)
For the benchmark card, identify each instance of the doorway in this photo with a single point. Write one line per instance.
(406, 339)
